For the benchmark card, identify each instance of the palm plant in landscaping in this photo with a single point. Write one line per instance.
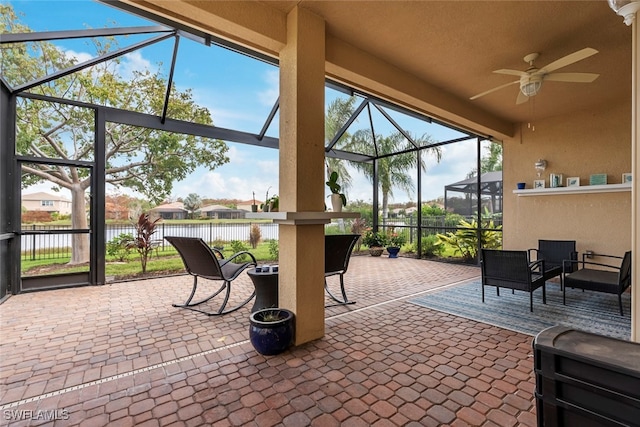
(393, 170)
(465, 239)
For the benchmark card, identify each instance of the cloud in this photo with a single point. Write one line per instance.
(132, 62)
(79, 57)
(269, 95)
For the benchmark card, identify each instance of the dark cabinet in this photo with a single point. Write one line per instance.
(584, 379)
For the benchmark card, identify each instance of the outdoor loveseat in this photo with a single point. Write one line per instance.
(606, 278)
(512, 270)
(557, 255)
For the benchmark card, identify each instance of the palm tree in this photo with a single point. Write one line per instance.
(491, 161)
(392, 170)
(192, 203)
(338, 112)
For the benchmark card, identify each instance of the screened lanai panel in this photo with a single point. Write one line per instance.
(150, 161)
(55, 220)
(55, 131)
(424, 131)
(339, 107)
(362, 128)
(25, 62)
(237, 90)
(457, 162)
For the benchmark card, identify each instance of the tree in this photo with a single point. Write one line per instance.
(192, 203)
(392, 169)
(338, 112)
(146, 160)
(491, 161)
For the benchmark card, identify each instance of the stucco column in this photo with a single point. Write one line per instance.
(301, 279)
(635, 190)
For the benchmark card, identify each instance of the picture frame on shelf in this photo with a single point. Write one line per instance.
(573, 181)
(539, 183)
(627, 178)
(598, 179)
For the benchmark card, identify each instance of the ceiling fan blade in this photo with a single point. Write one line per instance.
(510, 72)
(522, 98)
(494, 89)
(569, 59)
(572, 77)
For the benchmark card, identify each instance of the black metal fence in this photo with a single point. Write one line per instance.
(50, 242)
(431, 225)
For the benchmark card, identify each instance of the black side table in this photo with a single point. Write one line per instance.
(266, 285)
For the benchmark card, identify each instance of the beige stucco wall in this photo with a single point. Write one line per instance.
(594, 141)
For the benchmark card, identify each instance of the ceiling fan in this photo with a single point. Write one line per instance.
(531, 79)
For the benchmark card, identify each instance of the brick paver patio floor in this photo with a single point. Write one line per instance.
(121, 355)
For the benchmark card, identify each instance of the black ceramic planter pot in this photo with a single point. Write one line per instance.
(270, 337)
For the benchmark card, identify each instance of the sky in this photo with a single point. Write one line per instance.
(239, 92)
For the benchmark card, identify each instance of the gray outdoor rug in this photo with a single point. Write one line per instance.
(587, 311)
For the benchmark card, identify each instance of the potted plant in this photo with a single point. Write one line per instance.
(271, 330)
(265, 205)
(254, 206)
(395, 242)
(274, 203)
(338, 199)
(376, 242)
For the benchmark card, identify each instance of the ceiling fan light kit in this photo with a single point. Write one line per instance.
(625, 8)
(530, 80)
(531, 85)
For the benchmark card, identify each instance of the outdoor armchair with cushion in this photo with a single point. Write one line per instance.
(554, 253)
(512, 270)
(606, 278)
(200, 260)
(337, 252)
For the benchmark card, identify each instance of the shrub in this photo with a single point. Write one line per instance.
(255, 234)
(143, 242)
(238, 246)
(358, 226)
(274, 249)
(395, 239)
(218, 244)
(119, 248)
(376, 239)
(431, 246)
(36, 216)
(465, 240)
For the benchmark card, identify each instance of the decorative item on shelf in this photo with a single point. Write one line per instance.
(265, 206)
(521, 185)
(271, 330)
(338, 199)
(598, 179)
(540, 166)
(376, 242)
(555, 180)
(539, 183)
(573, 181)
(274, 203)
(627, 178)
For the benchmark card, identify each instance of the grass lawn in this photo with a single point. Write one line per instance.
(163, 261)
